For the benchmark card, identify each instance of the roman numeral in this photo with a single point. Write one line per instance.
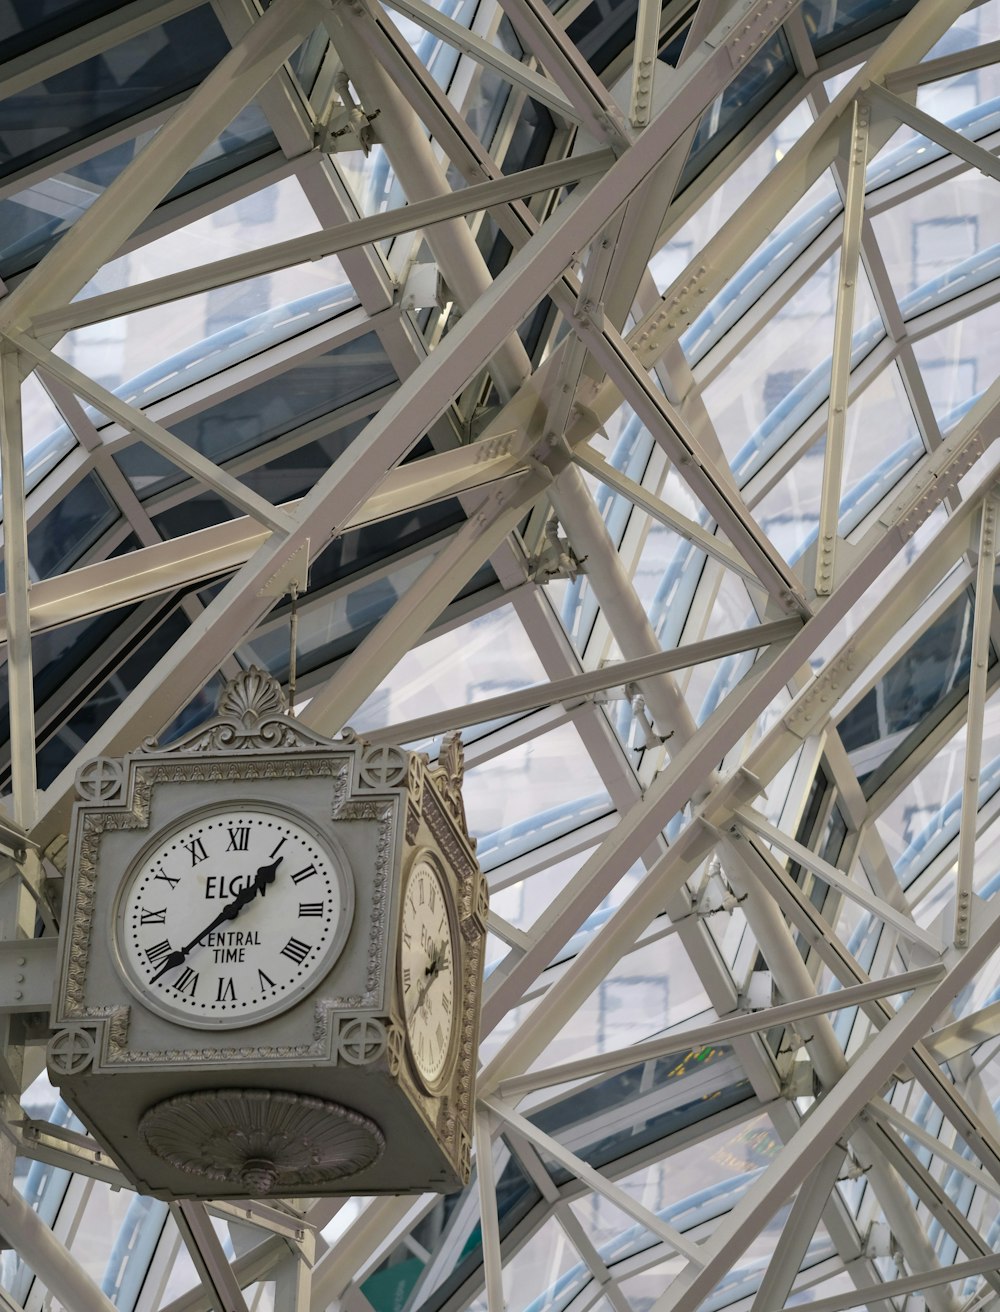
(196, 850)
(407, 940)
(226, 992)
(446, 1004)
(296, 950)
(158, 951)
(167, 879)
(310, 908)
(304, 874)
(265, 981)
(239, 838)
(439, 1036)
(152, 917)
(407, 978)
(187, 981)
(432, 896)
(281, 844)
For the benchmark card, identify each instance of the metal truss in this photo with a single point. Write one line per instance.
(855, 997)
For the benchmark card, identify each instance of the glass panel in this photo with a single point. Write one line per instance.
(27, 24)
(532, 794)
(680, 250)
(769, 69)
(626, 1111)
(276, 213)
(920, 822)
(647, 991)
(154, 353)
(940, 242)
(789, 513)
(261, 413)
(124, 81)
(782, 375)
(32, 220)
(959, 363)
(487, 657)
(833, 23)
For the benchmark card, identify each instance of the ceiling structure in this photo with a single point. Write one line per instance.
(616, 382)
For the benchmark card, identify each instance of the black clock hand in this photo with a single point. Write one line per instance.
(265, 875)
(424, 987)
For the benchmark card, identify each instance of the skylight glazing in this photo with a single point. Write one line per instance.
(659, 341)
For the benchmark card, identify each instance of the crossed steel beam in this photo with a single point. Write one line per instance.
(553, 412)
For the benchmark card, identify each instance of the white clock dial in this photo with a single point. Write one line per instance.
(233, 916)
(427, 966)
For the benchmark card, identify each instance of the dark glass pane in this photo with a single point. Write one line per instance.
(338, 628)
(27, 24)
(770, 68)
(61, 748)
(531, 138)
(126, 80)
(261, 413)
(74, 524)
(603, 30)
(832, 23)
(32, 220)
(919, 688)
(597, 1124)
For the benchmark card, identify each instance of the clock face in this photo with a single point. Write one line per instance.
(428, 982)
(232, 916)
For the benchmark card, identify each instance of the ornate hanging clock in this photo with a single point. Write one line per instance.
(272, 976)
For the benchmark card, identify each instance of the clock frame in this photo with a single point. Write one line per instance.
(214, 862)
(147, 1083)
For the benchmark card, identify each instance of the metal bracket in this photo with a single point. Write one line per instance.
(556, 559)
(295, 571)
(27, 972)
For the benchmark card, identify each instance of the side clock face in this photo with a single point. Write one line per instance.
(232, 916)
(427, 972)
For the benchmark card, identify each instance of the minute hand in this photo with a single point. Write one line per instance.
(265, 875)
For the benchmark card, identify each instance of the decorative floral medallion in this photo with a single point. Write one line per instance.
(262, 1139)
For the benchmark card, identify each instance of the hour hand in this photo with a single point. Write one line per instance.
(265, 875)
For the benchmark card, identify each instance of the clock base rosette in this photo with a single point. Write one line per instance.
(267, 1141)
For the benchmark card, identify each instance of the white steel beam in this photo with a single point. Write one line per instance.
(223, 548)
(908, 115)
(540, 33)
(488, 1221)
(722, 1031)
(870, 1069)
(208, 1256)
(644, 51)
(317, 245)
(155, 435)
(578, 687)
(21, 694)
(59, 1271)
(959, 1272)
(750, 820)
(979, 662)
(797, 1233)
(686, 528)
(594, 1180)
(843, 336)
(135, 193)
(884, 1111)
(411, 616)
(537, 86)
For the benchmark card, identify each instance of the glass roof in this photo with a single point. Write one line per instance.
(721, 281)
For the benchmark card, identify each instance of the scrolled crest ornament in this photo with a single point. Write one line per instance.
(251, 714)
